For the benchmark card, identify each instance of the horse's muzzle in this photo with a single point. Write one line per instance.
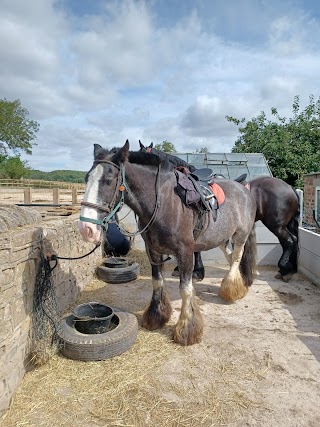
(89, 232)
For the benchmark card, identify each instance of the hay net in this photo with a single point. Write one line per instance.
(46, 314)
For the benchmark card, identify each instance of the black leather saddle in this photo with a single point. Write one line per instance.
(201, 179)
(242, 178)
(205, 174)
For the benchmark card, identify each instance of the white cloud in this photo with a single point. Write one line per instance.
(129, 72)
(115, 52)
(291, 36)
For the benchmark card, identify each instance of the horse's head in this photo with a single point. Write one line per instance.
(104, 190)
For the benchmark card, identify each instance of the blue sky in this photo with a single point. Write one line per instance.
(105, 71)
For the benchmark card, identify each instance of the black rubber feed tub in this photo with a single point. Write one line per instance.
(118, 273)
(121, 335)
(92, 318)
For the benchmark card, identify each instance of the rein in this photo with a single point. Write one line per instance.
(54, 257)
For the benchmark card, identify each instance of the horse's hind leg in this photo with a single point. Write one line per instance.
(289, 250)
(159, 310)
(198, 269)
(232, 286)
(189, 328)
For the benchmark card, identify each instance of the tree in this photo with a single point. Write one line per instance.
(291, 146)
(202, 150)
(58, 175)
(166, 146)
(16, 131)
(13, 167)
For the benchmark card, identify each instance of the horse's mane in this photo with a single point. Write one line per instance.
(147, 159)
(176, 161)
(141, 158)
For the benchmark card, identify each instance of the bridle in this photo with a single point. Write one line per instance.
(112, 208)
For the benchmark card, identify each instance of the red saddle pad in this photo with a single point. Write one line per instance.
(218, 192)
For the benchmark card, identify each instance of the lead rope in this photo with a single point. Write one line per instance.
(54, 257)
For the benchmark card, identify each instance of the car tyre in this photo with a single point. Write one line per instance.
(93, 347)
(118, 275)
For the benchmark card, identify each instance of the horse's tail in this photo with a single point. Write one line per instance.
(248, 260)
(293, 228)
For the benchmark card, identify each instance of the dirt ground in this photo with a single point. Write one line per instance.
(258, 364)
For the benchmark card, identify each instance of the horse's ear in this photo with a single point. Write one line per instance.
(151, 145)
(141, 145)
(98, 151)
(122, 154)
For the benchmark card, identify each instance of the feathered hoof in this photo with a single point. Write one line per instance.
(232, 291)
(287, 277)
(157, 314)
(153, 321)
(189, 331)
(187, 335)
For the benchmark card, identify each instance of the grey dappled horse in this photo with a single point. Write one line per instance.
(147, 184)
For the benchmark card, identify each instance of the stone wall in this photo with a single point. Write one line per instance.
(22, 233)
(311, 181)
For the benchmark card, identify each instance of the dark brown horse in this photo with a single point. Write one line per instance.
(147, 185)
(278, 208)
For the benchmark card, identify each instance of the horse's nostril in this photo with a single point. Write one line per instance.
(89, 232)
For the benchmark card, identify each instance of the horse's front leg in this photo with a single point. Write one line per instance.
(159, 310)
(198, 270)
(189, 328)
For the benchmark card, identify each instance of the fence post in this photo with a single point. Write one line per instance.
(74, 196)
(56, 194)
(27, 196)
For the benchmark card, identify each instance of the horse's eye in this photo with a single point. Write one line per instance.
(106, 181)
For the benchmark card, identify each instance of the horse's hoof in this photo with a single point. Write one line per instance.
(278, 276)
(196, 277)
(159, 311)
(190, 335)
(287, 277)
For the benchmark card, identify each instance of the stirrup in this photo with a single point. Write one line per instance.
(209, 197)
